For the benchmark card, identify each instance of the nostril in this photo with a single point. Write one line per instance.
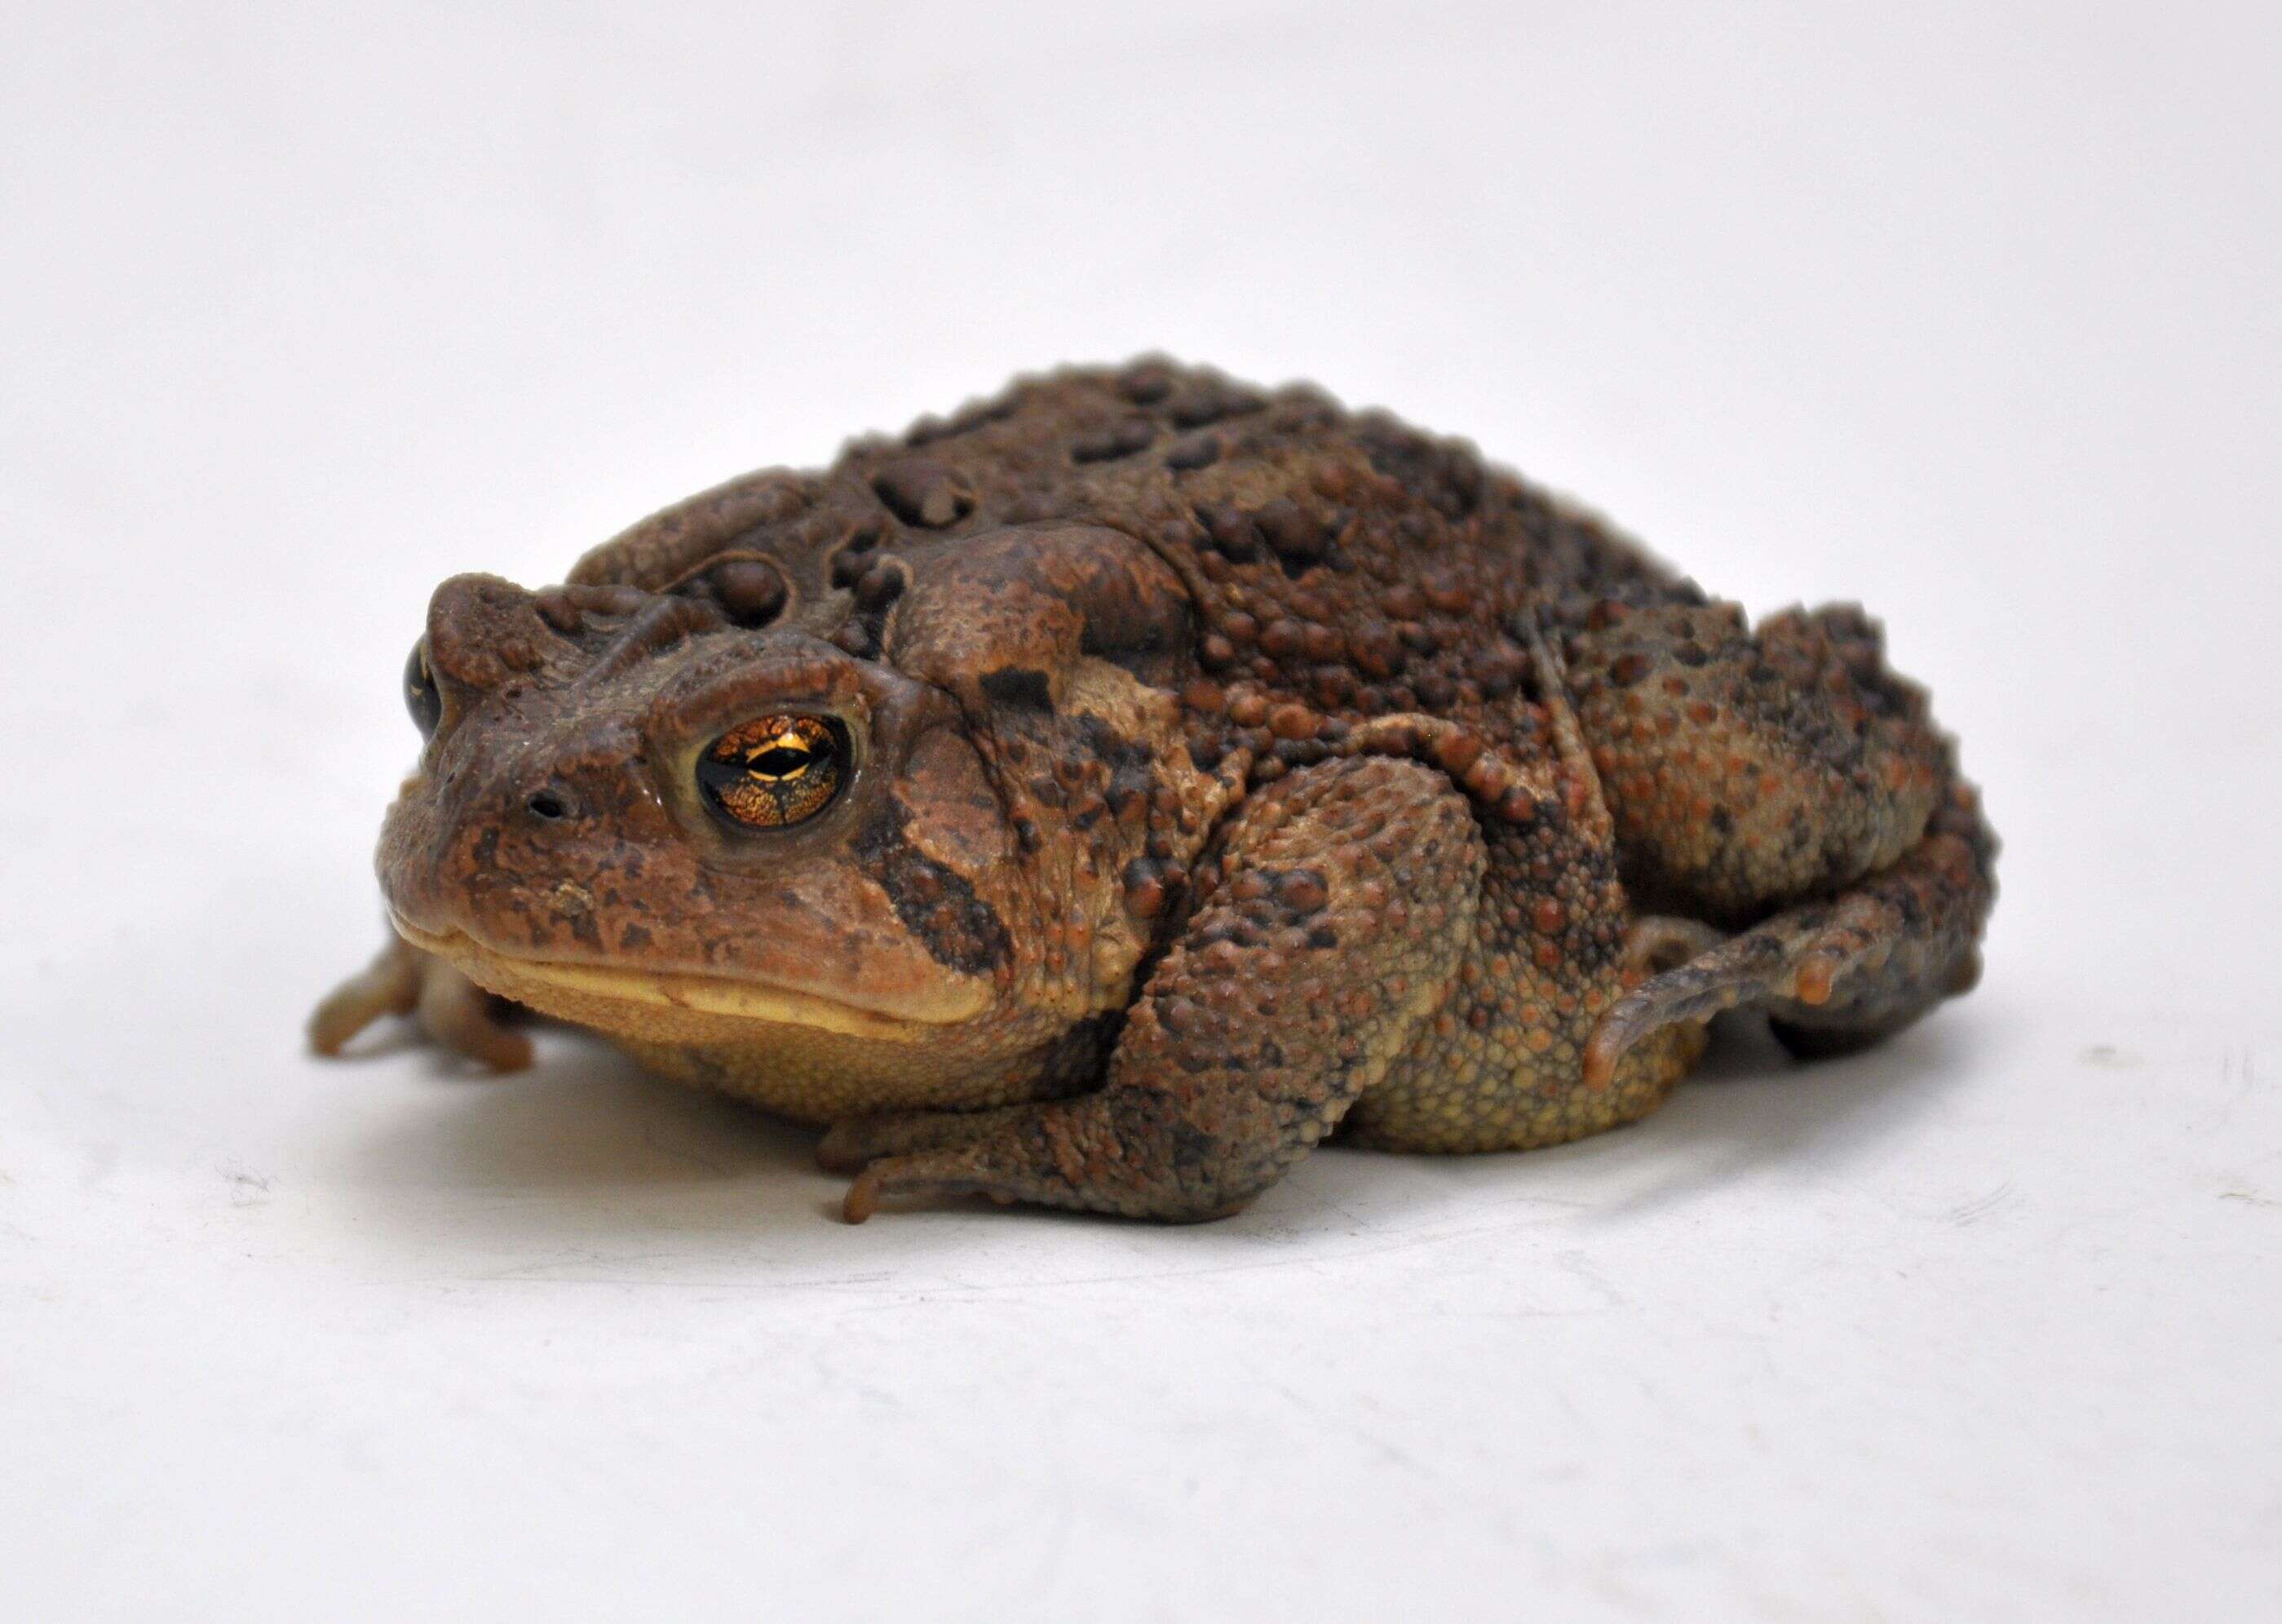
(548, 805)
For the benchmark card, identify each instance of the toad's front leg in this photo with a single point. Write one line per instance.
(1345, 896)
(402, 980)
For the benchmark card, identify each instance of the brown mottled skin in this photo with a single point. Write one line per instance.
(1223, 769)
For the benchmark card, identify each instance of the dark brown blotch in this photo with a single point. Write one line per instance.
(937, 904)
(1019, 687)
(1115, 441)
(1202, 451)
(1231, 530)
(1296, 535)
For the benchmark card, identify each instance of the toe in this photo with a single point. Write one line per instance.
(916, 1180)
(388, 986)
(853, 1141)
(862, 1199)
(844, 1149)
(456, 1014)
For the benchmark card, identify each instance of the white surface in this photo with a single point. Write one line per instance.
(1970, 315)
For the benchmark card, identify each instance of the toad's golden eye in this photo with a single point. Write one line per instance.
(775, 770)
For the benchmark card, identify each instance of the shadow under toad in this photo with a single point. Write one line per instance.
(1750, 1108)
(585, 1142)
(584, 1126)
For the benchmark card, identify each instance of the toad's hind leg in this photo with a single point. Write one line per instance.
(1835, 977)
(1784, 782)
(1500, 1063)
(1344, 898)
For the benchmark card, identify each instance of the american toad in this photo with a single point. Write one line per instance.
(1100, 796)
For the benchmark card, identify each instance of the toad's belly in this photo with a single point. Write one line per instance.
(818, 1078)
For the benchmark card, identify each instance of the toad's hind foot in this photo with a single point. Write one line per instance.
(402, 980)
(1835, 977)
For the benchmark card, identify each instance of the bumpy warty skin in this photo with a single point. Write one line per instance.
(1210, 770)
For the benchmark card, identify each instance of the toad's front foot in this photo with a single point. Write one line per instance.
(402, 980)
(1090, 1153)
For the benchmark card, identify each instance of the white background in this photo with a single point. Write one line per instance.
(1969, 311)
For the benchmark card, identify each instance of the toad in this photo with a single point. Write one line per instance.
(1100, 796)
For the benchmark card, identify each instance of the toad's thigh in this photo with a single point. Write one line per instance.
(1499, 1065)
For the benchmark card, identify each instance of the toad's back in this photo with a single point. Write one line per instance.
(1341, 560)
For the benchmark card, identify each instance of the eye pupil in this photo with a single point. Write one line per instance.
(781, 762)
(774, 771)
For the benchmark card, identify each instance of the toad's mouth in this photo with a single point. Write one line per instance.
(576, 991)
